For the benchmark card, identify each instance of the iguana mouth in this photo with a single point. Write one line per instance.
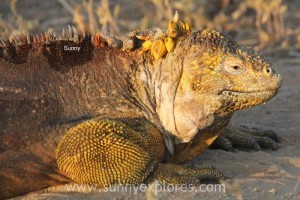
(266, 93)
(233, 100)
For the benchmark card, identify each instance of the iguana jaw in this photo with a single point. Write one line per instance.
(233, 99)
(192, 116)
(242, 100)
(237, 94)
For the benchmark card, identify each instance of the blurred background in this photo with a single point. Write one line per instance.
(263, 24)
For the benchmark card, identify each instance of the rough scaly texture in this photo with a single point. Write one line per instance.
(121, 112)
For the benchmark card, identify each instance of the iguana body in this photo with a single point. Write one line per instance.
(104, 116)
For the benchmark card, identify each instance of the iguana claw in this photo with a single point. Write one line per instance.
(242, 137)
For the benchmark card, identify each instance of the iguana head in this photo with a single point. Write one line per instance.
(211, 76)
(233, 76)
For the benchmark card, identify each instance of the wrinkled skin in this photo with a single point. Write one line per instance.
(203, 82)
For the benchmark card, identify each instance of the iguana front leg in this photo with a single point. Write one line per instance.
(241, 137)
(106, 152)
(121, 151)
(184, 152)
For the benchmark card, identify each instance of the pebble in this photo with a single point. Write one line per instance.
(273, 190)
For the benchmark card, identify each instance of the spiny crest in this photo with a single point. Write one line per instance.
(212, 40)
(16, 49)
(70, 34)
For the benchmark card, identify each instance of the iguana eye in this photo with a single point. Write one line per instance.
(234, 68)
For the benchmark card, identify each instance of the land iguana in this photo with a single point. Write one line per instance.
(97, 110)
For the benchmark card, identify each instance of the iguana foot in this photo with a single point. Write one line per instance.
(178, 174)
(241, 137)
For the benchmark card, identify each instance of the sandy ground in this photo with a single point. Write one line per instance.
(254, 175)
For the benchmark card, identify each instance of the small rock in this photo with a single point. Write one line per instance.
(254, 189)
(273, 190)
